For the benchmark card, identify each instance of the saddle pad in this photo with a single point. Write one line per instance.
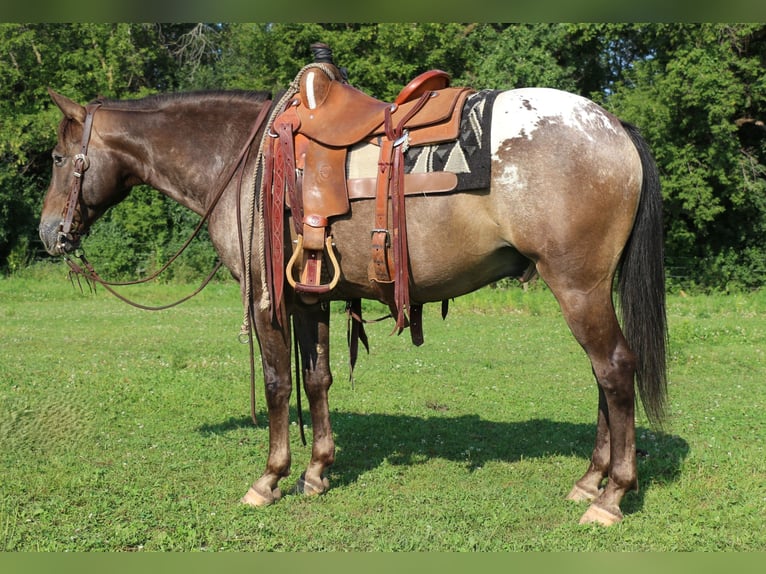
(468, 157)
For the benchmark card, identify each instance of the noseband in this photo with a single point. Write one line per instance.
(68, 231)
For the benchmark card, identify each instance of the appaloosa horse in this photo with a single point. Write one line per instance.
(571, 191)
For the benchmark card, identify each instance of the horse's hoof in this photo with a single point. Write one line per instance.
(579, 494)
(599, 515)
(255, 498)
(311, 488)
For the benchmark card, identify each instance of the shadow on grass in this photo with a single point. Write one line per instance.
(365, 441)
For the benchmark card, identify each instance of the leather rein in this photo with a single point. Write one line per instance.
(69, 228)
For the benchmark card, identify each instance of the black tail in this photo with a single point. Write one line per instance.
(641, 287)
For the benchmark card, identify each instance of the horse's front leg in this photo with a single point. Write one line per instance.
(312, 326)
(274, 342)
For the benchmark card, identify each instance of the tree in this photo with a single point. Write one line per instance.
(699, 98)
(380, 58)
(81, 61)
(697, 92)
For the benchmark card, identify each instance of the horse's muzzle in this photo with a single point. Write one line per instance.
(55, 242)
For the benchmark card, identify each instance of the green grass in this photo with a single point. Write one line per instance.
(122, 429)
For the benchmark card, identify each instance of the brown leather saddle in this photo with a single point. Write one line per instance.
(305, 170)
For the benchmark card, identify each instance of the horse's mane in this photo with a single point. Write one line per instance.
(160, 101)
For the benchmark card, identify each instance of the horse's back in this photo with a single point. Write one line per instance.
(528, 112)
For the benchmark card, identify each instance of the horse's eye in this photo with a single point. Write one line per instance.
(58, 159)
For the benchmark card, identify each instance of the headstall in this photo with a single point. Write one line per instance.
(68, 231)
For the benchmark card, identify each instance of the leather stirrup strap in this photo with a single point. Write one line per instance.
(380, 234)
(399, 240)
(400, 247)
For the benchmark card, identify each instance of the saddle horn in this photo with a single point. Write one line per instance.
(323, 55)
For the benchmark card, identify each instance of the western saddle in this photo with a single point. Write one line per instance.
(305, 169)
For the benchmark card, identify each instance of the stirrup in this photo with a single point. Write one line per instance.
(311, 282)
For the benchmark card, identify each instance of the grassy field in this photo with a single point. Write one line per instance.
(127, 430)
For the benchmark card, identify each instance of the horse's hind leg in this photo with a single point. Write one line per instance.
(312, 325)
(589, 486)
(591, 318)
(275, 357)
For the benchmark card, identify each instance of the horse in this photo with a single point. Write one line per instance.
(573, 195)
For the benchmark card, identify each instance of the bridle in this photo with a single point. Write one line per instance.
(69, 227)
(81, 163)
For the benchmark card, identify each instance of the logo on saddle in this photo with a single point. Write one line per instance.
(306, 170)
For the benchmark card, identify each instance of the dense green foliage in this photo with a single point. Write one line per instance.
(697, 91)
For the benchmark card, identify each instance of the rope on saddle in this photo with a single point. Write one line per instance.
(265, 298)
(249, 307)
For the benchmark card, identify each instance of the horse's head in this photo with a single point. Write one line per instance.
(87, 177)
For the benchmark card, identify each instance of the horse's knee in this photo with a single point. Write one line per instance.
(278, 389)
(318, 383)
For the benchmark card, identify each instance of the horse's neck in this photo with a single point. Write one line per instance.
(181, 154)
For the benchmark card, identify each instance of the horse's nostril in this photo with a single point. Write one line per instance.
(48, 231)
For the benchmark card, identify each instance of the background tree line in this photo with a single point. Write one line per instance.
(697, 91)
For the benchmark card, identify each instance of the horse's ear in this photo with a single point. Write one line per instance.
(69, 108)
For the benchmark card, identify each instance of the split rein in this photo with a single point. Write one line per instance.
(68, 228)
